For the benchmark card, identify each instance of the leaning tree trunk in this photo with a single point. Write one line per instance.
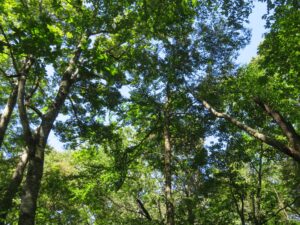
(6, 200)
(7, 112)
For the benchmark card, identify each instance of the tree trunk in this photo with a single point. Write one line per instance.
(31, 187)
(38, 143)
(168, 170)
(15, 182)
(242, 210)
(259, 188)
(12, 188)
(6, 115)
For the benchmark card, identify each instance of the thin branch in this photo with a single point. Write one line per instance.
(79, 123)
(36, 110)
(143, 210)
(4, 73)
(63, 91)
(7, 112)
(281, 209)
(33, 90)
(121, 206)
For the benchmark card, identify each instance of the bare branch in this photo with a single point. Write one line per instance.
(255, 133)
(22, 110)
(79, 123)
(33, 90)
(36, 110)
(286, 127)
(13, 186)
(143, 210)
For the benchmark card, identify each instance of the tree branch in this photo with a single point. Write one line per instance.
(79, 123)
(143, 210)
(286, 127)
(21, 103)
(254, 133)
(33, 90)
(281, 209)
(36, 110)
(66, 82)
(13, 186)
(4, 73)
(22, 110)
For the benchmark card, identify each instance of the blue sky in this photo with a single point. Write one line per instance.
(258, 29)
(256, 25)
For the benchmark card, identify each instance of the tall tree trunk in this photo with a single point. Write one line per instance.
(259, 186)
(15, 182)
(168, 165)
(12, 188)
(7, 112)
(31, 187)
(38, 143)
(168, 177)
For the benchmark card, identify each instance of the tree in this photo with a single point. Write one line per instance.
(85, 44)
(275, 90)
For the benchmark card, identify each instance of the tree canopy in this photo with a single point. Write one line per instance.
(135, 89)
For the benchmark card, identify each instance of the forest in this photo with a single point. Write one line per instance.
(160, 123)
